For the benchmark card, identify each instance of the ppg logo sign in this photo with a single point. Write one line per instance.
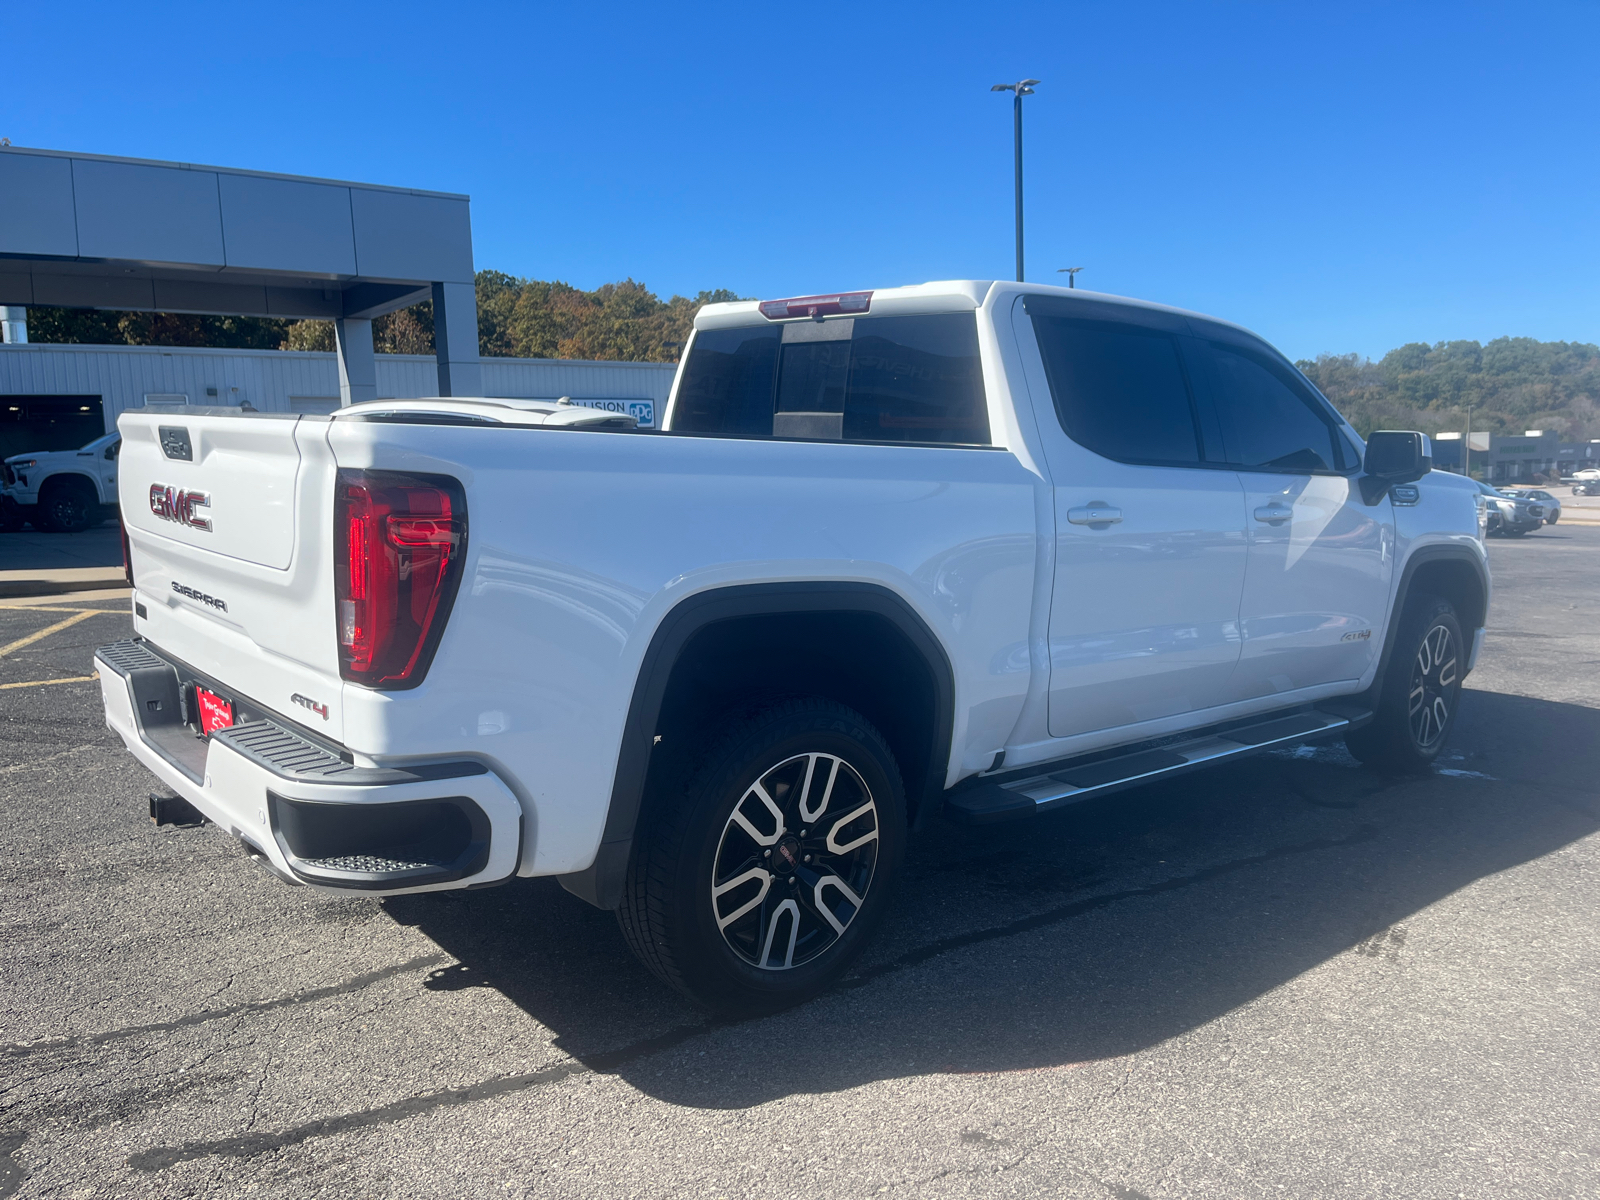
(642, 411)
(178, 506)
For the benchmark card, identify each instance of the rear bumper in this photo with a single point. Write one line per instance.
(311, 815)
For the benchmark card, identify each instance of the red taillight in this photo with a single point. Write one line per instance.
(399, 541)
(817, 306)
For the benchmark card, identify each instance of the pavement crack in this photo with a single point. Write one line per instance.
(20, 1049)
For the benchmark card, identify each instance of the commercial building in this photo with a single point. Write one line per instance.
(1507, 459)
(90, 231)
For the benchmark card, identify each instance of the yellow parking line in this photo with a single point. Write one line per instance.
(44, 633)
(118, 612)
(48, 682)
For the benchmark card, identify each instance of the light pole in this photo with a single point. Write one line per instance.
(1021, 88)
(1071, 273)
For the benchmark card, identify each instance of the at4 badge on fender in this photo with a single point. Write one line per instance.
(307, 702)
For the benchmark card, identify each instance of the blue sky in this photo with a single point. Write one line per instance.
(1338, 177)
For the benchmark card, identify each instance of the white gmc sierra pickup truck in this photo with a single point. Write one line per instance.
(971, 549)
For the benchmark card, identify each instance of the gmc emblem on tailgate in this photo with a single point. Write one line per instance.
(178, 505)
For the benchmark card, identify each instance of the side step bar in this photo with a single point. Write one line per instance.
(1071, 781)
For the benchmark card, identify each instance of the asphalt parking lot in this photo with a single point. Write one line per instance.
(1285, 978)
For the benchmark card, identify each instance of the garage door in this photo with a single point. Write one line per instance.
(29, 423)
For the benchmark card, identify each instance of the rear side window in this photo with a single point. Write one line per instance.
(1268, 424)
(1119, 390)
(916, 379)
(727, 383)
(873, 379)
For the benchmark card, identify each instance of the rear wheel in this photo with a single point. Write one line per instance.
(757, 886)
(69, 506)
(1422, 687)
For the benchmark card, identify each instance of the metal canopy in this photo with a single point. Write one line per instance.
(89, 231)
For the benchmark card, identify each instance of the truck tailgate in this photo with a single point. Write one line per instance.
(229, 522)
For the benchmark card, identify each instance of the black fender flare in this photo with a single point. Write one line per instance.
(1420, 557)
(601, 883)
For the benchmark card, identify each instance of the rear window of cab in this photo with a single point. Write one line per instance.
(860, 379)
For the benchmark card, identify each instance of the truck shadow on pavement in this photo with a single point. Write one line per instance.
(1086, 935)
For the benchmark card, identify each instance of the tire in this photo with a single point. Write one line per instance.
(1552, 520)
(69, 506)
(702, 907)
(1509, 532)
(1421, 692)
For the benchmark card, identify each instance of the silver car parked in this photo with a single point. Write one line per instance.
(1552, 506)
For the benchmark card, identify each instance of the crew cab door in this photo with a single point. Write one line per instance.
(1317, 586)
(1150, 539)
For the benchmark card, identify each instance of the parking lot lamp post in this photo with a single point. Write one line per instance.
(1466, 447)
(1020, 89)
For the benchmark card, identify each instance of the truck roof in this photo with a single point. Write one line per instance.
(939, 296)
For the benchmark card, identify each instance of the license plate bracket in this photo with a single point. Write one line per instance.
(215, 712)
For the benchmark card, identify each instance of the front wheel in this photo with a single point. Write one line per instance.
(756, 887)
(1421, 689)
(69, 506)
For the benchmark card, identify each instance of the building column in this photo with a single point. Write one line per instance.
(358, 369)
(455, 339)
(13, 324)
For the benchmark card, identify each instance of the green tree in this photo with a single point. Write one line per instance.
(526, 318)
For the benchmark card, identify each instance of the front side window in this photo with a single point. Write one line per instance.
(1267, 423)
(1119, 390)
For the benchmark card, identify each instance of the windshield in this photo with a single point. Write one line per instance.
(101, 442)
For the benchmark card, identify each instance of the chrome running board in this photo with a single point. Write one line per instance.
(1073, 780)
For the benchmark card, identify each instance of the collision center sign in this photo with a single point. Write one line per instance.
(642, 411)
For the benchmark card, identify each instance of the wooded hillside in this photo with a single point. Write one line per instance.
(1512, 385)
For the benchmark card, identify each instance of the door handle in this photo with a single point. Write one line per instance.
(1274, 514)
(1094, 514)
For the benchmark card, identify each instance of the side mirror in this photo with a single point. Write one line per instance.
(1394, 456)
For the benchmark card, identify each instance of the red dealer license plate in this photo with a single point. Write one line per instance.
(215, 712)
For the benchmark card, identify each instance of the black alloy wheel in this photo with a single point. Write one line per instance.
(69, 507)
(756, 882)
(1435, 679)
(795, 861)
(1421, 690)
